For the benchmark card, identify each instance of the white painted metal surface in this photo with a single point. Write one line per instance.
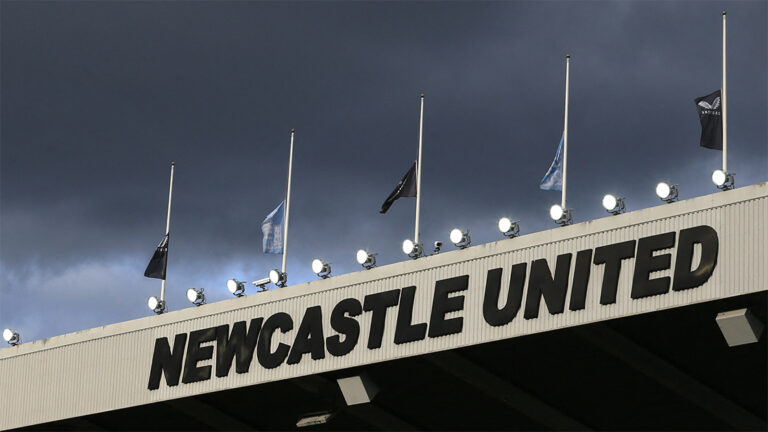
(107, 368)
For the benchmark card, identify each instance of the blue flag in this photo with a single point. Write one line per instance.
(553, 179)
(272, 227)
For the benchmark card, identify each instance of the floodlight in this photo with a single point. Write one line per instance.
(411, 249)
(723, 180)
(460, 238)
(613, 204)
(321, 268)
(365, 259)
(196, 296)
(11, 337)
(155, 305)
(508, 227)
(666, 192)
(236, 287)
(261, 283)
(559, 215)
(277, 277)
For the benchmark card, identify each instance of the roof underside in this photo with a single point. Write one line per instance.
(668, 370)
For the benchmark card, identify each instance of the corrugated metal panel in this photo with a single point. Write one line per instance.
(108, 368)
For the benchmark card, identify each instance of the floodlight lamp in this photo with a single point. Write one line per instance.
(11, 337)
(723, 180)
(411, 249)
(236, 287)
(155, 305)
(277, 277)
(365, 259)
(666, 192)
(560, 215)
(321, 268)
(196, 296)
(613, 204)
(460, 238)
(508, 227)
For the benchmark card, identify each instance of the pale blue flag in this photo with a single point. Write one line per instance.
(272, 227)
(553, 179)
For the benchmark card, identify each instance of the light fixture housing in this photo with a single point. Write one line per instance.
(508, 227)
(366, 259)
(560, 215)
(460, 238)
(313, 419)
(236, 287)
(156, 305)
(196, 296)
(11, 337)
(261, 283)
(413, 250)
(613, 204)
(278, 278)
(666, 192)
(321, 268)
(438, 245)
(723, 180)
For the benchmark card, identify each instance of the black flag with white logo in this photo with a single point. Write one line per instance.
(406, 188)
(159, 262)
(710, 114)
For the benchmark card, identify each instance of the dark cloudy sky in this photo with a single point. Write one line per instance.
(98, 97)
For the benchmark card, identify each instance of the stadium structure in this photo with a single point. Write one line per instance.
(647, 320)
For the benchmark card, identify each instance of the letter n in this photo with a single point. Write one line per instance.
(541, 283)
(166, 362)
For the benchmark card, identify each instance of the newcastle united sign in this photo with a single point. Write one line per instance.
(250, 344)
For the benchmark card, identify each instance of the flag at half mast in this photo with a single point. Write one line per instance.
(159, 261)
(272, 227)
(710, 115)
(406, 188)
(553, 179)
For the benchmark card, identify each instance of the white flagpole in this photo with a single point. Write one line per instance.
(725, 117)
(167, 228)
(418, 174)
(565, 128)
(287, 204)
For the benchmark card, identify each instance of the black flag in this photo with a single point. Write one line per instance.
(711, 118)
(158, 263)
(406, 188)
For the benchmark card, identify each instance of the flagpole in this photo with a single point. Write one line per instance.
(565, 128)
(725, 117)
(287, 204)
(418, 173)
(167, 227)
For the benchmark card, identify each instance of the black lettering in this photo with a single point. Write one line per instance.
(309, 337)
(345, 325)
(237, 344)
(266, 357)
(541, 284)
(646, 263)
(196, 353)
(404, 330)
(442, 305)
(491, 312)
(580, 283)
(611, 256)
(378, 304)
(166, 363)
(685, 278)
